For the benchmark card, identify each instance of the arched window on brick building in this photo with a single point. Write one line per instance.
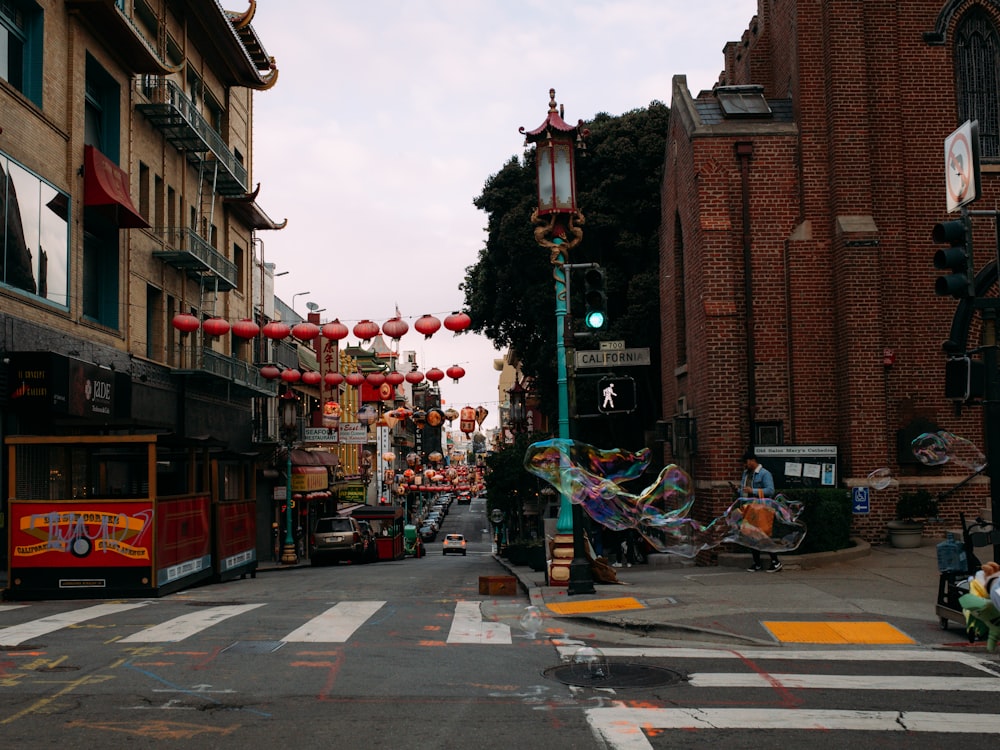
(977, 77)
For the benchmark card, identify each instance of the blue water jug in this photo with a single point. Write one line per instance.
(951, 556)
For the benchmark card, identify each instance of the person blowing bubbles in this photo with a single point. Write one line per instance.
(758, 482)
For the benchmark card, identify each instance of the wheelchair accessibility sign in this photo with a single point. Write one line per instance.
(859, 500)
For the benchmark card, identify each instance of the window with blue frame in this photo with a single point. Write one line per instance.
(34, 234)
(21, 47)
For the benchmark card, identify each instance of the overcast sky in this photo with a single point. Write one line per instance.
(389, 116)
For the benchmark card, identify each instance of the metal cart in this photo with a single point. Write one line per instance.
(955, 582)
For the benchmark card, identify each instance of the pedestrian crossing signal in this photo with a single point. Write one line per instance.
(616, 394)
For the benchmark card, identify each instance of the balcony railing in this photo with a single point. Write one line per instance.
(236, 371)
(176, 116)
(185, 249)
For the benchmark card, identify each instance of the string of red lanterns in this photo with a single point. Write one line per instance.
(365, 330)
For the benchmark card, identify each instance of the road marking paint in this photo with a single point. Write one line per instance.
(837, 632)
(908, 655)
(468, 627)
(622, 728)
(842, 682)
(187, 625)
(16, 634)
(335, 625)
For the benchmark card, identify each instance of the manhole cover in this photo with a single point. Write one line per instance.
(614, 675)
(253, 647)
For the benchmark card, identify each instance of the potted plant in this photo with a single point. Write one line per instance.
(913, 508)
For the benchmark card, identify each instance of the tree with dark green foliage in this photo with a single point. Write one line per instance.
(509, 291)
(508, 484)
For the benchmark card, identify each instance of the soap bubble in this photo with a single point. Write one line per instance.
(880, 479)
(937, 448)
(590, 664)
(531, 620)
(765, 524)
(662, 512)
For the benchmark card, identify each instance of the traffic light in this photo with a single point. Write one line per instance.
(957, 258)
(616, 393)
(594, 297)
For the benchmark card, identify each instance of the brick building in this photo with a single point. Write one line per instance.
(126, 199)
(798, 199)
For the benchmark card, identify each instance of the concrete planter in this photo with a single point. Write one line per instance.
(905, 534)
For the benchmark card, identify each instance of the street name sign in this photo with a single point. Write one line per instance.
(620, 358)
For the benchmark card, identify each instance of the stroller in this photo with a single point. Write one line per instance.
(956, 570)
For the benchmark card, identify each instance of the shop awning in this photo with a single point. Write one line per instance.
(313, 458)
(105, 185)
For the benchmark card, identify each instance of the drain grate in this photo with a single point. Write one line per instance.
(615, 675)
(253, 647)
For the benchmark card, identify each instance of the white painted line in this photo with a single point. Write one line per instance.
(187, 625)
(622, 728)
(10, 607)
(468, 627)
(908, 655)
(842, 682)
(335, 625)
(17, 634)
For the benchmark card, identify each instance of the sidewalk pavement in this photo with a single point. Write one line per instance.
(728, 604)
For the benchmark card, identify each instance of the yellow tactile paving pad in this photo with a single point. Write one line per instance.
(837, 632)
(596, 605)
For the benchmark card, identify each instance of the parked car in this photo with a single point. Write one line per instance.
(453, 543)
(337, 538)
(428, 533)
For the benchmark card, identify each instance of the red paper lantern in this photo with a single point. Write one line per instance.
(269, 372)
(395, 328)
(185, 323)
(311, 377)
(305, 331)
(245, 329)
(435, 375)
(366, 330)
(457, 321)
(394, 378)
(455, 372)
(333, 379)
(355, 379)
(467, 420)
(427, 325)
(375, 379)
(334, 330)
(276, 330)
(414, 377)
(291, 375)
(216, 327)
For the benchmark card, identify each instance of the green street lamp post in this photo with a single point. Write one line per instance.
(559, 228)
(289, 427)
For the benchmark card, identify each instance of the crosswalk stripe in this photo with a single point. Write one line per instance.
(187, 625)
(17, 634)
(468, 627)
(908, 655)
(622, 728)
(336, 624)
(841, 682)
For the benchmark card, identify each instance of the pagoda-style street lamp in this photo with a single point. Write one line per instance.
(559, 228)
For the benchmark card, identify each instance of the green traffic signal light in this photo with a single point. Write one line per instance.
(957, 258)
(595, 298)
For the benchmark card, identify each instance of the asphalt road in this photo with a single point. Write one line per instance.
(397, 654)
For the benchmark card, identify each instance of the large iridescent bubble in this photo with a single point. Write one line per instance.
(765, 524)
(937, 448)
(591, 478)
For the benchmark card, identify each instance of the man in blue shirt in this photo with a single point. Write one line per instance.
(758, 482)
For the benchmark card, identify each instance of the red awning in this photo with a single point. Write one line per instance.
(106, 185)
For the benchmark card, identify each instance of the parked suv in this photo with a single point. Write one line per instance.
(337, 538)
